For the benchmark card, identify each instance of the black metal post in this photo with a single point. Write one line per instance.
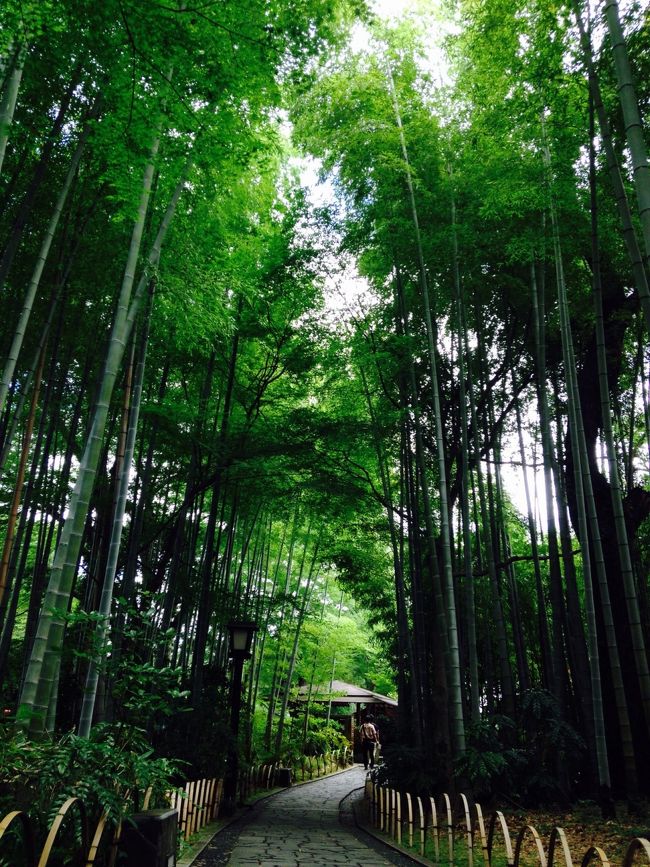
(241, 637)
(232, 768)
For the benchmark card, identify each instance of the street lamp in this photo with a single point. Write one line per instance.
(241, 638)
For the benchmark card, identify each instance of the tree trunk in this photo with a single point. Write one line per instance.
(633, 615)
(562, 636)
(28, 303)
(505, 671)
(455, 687)
(306, 593)
(9, 98)
(123, 478)
(549, 678)
(274, 690)
(406, 674)
(632, 119)
(629, 234)
(433, 645)
(22, 216)
(204, 610)
(574, 431)
(465, 478)
(37, 689)
(20, 479)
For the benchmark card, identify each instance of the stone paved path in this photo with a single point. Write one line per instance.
(301, 826)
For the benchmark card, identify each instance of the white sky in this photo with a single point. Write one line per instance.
(390, 8)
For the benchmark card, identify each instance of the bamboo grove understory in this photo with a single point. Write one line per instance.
(399, 417)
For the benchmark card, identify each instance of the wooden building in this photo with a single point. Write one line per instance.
(365, 702)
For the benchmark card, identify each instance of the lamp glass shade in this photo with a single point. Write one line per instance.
(241, 636)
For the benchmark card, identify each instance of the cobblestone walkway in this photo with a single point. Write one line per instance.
(301, 826)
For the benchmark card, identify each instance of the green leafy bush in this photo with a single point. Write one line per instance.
(110, 771)
(404, 768)
(322, 737)
(553, 749)
(531, 759)
(491, 760)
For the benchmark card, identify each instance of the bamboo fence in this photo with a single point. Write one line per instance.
(197, 804)
(461, 836)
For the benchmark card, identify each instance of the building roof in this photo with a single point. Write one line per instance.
(339, 692)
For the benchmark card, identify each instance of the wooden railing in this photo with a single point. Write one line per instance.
(325, 764)
(87, 848)
(268, 776)
(462, 836)
(197, 803)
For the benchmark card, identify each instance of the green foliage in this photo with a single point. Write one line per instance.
(553, 748)
(200, 736)
(489, 765)
(324, 738)
(110, 772)
(355, 644)
(321, 737)
(364, 569)
(143, 694)
(407, 768)
(531, 760)
(145, 691)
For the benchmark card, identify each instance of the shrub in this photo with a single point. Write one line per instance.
(109, 771)
(531, 759)
(491, 760)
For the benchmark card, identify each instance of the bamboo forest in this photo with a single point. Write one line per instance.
(330, 317)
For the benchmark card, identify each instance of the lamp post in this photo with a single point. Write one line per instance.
(241, 638)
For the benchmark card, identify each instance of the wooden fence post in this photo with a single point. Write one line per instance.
(640, 843)
(219, 797)
(56, 824)
(450, 829)
(528, 829)
(500, 818)
(434, 825)
(399, 817)
(558, 834)
(423, 838)
(199, 802)
(470, 830)
(481, 828)
(28, 833)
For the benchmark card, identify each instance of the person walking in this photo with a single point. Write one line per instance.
(369, 741)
